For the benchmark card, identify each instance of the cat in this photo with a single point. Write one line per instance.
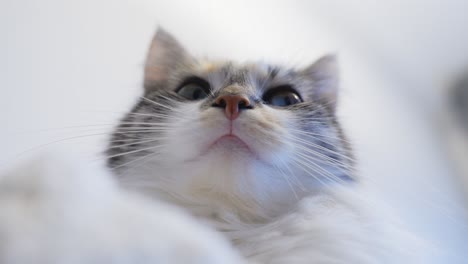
(254, 150)
(217, 162)
(218, 137)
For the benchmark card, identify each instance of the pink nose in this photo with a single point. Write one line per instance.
(232, 104)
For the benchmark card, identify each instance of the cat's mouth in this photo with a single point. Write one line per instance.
(229, 144)
(230, 141)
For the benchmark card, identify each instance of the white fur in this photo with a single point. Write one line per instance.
(224, 179)
(247, 198)
(333, 227)
(54, 211)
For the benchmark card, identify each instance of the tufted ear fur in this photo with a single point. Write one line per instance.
(165, 55)
(324, 74)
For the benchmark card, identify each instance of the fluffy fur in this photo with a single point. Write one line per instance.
(55, 211)
(275, 185)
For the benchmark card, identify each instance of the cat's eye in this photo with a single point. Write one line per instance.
(282, 96)
(194, 88)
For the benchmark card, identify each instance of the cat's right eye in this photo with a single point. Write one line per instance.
(194, 88)
(283, 95)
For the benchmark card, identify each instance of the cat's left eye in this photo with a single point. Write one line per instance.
(194, 88)
(282, 96)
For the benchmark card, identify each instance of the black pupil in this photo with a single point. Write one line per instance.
(197, 93)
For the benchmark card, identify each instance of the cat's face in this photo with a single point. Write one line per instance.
(219, 137)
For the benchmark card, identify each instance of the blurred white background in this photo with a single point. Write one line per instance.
(79, 63)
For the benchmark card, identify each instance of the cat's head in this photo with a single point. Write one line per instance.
(247, 139)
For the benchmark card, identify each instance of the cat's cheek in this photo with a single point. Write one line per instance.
(193, 134)
(266, 130)
(181, 143)
(213, 122)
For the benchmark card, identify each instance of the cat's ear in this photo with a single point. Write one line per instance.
(164, 56)
(325, 76)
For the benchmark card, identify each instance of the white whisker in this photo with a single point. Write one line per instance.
(133, 161)
(161, 105)
(133, 151)
(133, 143)
(325, 158)
(323, 172)
(309, 143)
(306, 168)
